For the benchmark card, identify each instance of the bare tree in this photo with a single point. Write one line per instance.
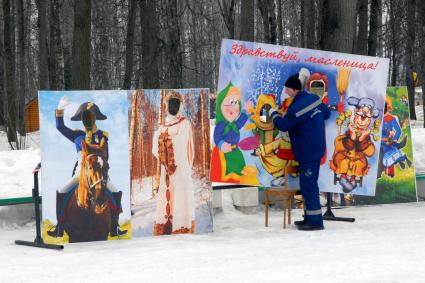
(338, 25)
(56, 47)
(129, 44)
(173, 46)
(22, 73)
(80, 76)
(375, 24)
(43, 75)
(309, 23)
(11, 106)
(247, 20)
(411, 37)
(228, 11)
(3, 96)
(421, 32)
(362, 35)
(267, 10)
(149, 21)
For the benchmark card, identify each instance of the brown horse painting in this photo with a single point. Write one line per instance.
(89, 215)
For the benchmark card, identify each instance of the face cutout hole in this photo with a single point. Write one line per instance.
(173, 106)
(317, 87)
(265, 112)
(89, 119)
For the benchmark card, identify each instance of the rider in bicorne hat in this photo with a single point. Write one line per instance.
(88, 113)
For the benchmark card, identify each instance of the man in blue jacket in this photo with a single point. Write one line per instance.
(305, 123)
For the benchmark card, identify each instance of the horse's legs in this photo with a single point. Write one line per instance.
(82, 194)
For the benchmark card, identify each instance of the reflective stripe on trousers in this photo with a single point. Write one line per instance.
(309, 173)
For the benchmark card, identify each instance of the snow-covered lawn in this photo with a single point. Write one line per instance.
(385, 244)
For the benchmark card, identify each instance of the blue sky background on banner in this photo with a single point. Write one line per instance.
(255, 75)
(58, 154)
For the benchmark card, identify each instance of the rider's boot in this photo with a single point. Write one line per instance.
(115, 213)
(60, 215)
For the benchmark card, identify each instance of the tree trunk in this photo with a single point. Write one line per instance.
(22, 73)
(271, 7)
(279, 22)
(362, 38)
(309, 22)
(421, 33)
(150, 44)
(56, 49)
(80, 74)
(173, 45)
(3, 97)
(228, 12)
(247, 20)
(395, 30)
(129, 44)
(375, 23)
(262, 6)
(11, 106)
(43, 67)
(410, 55)
(103, 38)
(338, 25)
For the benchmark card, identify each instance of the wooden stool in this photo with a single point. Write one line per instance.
(285, 197)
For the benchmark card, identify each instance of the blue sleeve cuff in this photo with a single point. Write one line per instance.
(220, 143)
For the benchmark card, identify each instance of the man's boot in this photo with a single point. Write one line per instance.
(308, 227)
(60, 215)
(301, 222)
(115, 213)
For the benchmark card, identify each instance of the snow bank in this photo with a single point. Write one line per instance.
(16, 166)
(418, 137)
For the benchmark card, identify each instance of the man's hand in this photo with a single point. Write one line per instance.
(63, 103)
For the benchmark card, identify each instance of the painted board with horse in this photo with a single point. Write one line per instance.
(93, 204)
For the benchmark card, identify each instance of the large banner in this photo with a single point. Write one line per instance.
(170, 161)
(396, 172)
(248, 150)
(85, 160)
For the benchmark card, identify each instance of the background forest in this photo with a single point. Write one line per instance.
(133, 44)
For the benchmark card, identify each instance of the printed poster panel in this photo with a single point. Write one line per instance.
(396, 172)
(85, 165)
(170, 162)
(248, 150)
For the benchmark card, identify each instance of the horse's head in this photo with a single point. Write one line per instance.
(94, 175)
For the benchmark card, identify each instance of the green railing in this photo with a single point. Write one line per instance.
(420, 176)
(15, 201)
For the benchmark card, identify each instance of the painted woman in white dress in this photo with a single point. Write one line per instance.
(173, 146)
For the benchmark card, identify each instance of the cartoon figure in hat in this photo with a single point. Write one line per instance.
(228, 163)
(355, 146)
(391, 145)
(88, 113)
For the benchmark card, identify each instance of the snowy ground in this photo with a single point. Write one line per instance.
(385, 244)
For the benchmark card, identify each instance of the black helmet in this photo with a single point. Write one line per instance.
(88, 106)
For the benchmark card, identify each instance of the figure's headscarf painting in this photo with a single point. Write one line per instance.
(248, 150)
(85, 166)
(170, 161)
